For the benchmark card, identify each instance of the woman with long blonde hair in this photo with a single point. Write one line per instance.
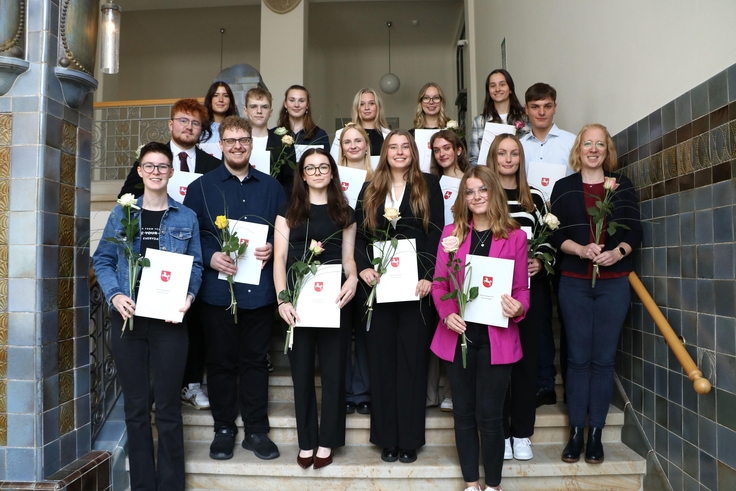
(482, 227)
(398, 340)
(430, 111)
(367, 112)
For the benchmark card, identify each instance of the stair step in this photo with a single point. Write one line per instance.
(359, 467)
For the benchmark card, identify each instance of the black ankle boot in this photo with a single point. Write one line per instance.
(574, 445)
(594, 448)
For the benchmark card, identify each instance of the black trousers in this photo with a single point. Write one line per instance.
(152, 352)
(237, 370)
(196, 353)
(398, 356)
(357, 376)
(477, 398)
(520, 408)
(331, 345)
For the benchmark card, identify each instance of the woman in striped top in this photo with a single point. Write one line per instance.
(527, 207)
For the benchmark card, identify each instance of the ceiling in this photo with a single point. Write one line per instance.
(131, 5)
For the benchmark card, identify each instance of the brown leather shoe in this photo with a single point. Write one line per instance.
(305, 462)
(320, 462)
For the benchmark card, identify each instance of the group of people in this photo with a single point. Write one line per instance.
(499, 375)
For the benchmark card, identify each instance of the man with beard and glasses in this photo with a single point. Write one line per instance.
(237, 371)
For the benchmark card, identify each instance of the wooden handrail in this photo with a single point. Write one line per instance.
(142, 102)
(700, 384)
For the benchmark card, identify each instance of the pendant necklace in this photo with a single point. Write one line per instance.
(481, 238)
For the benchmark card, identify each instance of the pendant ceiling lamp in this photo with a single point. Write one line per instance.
(389, 83)
(110, 56)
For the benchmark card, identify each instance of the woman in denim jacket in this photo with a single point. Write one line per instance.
(154, 349)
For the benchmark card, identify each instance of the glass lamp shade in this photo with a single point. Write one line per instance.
(390, 83)
(110, 36)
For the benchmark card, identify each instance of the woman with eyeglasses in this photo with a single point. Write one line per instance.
(482, 227)
(367, 112)
(296, 117)
(152, 349)
(430, 111)
(527, 207)
(501, 106)
(220, 103)
(594, 315)
(318, 211)
(399, 335)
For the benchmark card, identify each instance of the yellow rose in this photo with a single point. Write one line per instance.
(221, 221)
(391, 214)
(287, 140)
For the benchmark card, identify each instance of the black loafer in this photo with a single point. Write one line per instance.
(350, 408)
(407, 456)
(364, 408)
(390, 454)
(546, 397)
(571, 453)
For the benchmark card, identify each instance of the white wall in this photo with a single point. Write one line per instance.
(176, 53)
(348, 50)
(611, 62)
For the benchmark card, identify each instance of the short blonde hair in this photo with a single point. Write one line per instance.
(611, 161)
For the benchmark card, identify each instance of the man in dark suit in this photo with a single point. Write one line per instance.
(185, 125)
(187, 118)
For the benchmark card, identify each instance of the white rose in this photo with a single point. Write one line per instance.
(138, 152)
(552, 221)
(281, 131)
(452, 124)
(127, 200)
(450, 244)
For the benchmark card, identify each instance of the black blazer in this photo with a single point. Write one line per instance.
(568, 204)
(408, 227)
(204, 163)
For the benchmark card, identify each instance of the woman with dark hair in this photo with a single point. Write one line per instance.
(398, 340)
(527, 207)
(296, 117)
(152, 350)
(448, 155)
(368, 113)
(594, 313)
(318, 211)
(220, 103)
(430, 111)
(500, 106)
(482, 227)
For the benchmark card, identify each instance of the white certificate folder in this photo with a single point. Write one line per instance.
(164, 285)
(399, 283)
(493, 277)
(249, 268)
(316, 306)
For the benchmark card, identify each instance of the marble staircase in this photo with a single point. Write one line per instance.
(358, 465)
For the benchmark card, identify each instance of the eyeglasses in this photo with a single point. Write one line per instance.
(598, 145)
(186, 121)
(245, 141)
(311, 170)
(472, 193)
(435, 99)
(149, 167)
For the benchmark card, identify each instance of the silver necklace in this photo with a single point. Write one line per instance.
(482, 238)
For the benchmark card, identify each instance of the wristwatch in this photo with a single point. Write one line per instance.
(622, 251)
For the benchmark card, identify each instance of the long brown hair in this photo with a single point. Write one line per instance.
(462, 160)
(338, 208)
(498, 210)
(310, 129)
(522, 185)
(380, 185)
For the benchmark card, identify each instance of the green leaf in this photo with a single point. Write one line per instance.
(473, 293)
(394, 243)
(145, 262)
(313, 269)
(447, 296)
(376, 260)
(439, 278)
(592, 211)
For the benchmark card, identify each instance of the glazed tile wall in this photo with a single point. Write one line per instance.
(682, 159)
(45, 151)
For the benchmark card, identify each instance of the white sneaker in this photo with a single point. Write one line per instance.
(472, 488)
(195, 397)
(508, 454)
(446, 405)
(522, 449)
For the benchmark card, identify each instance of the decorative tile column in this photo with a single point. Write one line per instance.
(45, 150)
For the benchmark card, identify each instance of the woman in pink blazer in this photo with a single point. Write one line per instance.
(482, 227)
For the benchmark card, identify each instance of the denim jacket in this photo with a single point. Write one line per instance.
(179, 233)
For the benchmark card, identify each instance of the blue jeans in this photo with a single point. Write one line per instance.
(595, 317)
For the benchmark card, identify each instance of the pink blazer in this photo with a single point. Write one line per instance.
(505, 343)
